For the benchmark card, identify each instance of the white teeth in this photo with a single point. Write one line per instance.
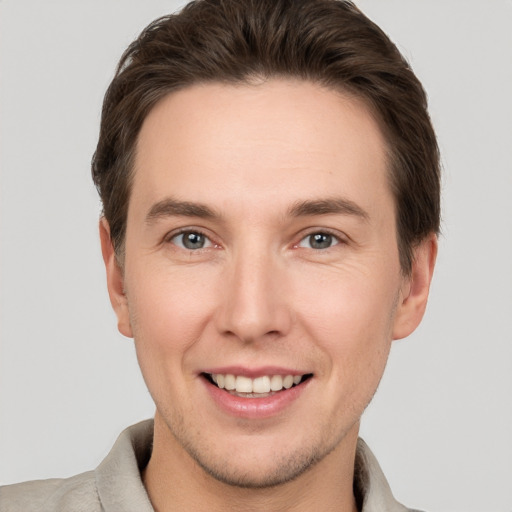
(229, 382)
(243, 384)
(288, 381)
(276, 383)
(259, 385)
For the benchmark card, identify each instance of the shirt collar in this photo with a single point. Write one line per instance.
(118, 477)
(120, 488)
(370, 484)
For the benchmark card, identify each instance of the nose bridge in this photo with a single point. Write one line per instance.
(254, 304)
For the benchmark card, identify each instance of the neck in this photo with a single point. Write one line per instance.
(175, 482)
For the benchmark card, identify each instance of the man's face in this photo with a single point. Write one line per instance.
(260, 245)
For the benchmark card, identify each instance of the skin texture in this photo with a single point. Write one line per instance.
(258, 293)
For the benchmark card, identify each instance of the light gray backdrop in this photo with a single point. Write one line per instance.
(441, 423)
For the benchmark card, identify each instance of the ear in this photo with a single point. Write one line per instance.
(415, 289)
(115, 281)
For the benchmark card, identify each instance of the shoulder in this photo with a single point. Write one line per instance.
(370, 485)
(114, 486)
(75, 494)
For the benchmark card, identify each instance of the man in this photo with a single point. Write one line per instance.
(270, 183)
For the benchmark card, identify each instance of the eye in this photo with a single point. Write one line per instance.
(191, 240)
(319, 240)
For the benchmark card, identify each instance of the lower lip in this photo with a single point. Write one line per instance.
(264, 407)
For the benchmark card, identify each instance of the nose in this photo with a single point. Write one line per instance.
(254, 303)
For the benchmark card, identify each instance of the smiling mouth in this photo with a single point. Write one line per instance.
(260, 387)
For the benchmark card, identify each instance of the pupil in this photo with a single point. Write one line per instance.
(320, 240)
(193, 240)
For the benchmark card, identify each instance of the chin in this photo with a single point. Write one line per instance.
(256, 474)
(249, 466)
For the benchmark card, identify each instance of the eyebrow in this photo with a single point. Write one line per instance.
(337, 205)
(170, 207)
(173, 208)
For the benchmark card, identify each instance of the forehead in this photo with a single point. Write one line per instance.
(283, 139)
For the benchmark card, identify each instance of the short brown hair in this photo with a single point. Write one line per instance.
(329, 42)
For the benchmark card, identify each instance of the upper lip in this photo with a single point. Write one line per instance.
(254, 372)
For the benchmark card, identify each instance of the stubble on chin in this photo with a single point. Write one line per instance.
(246, 474)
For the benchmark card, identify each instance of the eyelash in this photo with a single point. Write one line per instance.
(333, 239)
(190, 231)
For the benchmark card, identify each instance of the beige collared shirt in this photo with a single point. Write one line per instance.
(116, 485)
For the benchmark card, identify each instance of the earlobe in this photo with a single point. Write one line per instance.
(415, 290)
(115, 280)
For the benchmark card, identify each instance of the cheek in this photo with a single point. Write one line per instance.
(168, 312)
(351, 319)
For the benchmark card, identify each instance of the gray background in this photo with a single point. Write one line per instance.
(441, 422)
